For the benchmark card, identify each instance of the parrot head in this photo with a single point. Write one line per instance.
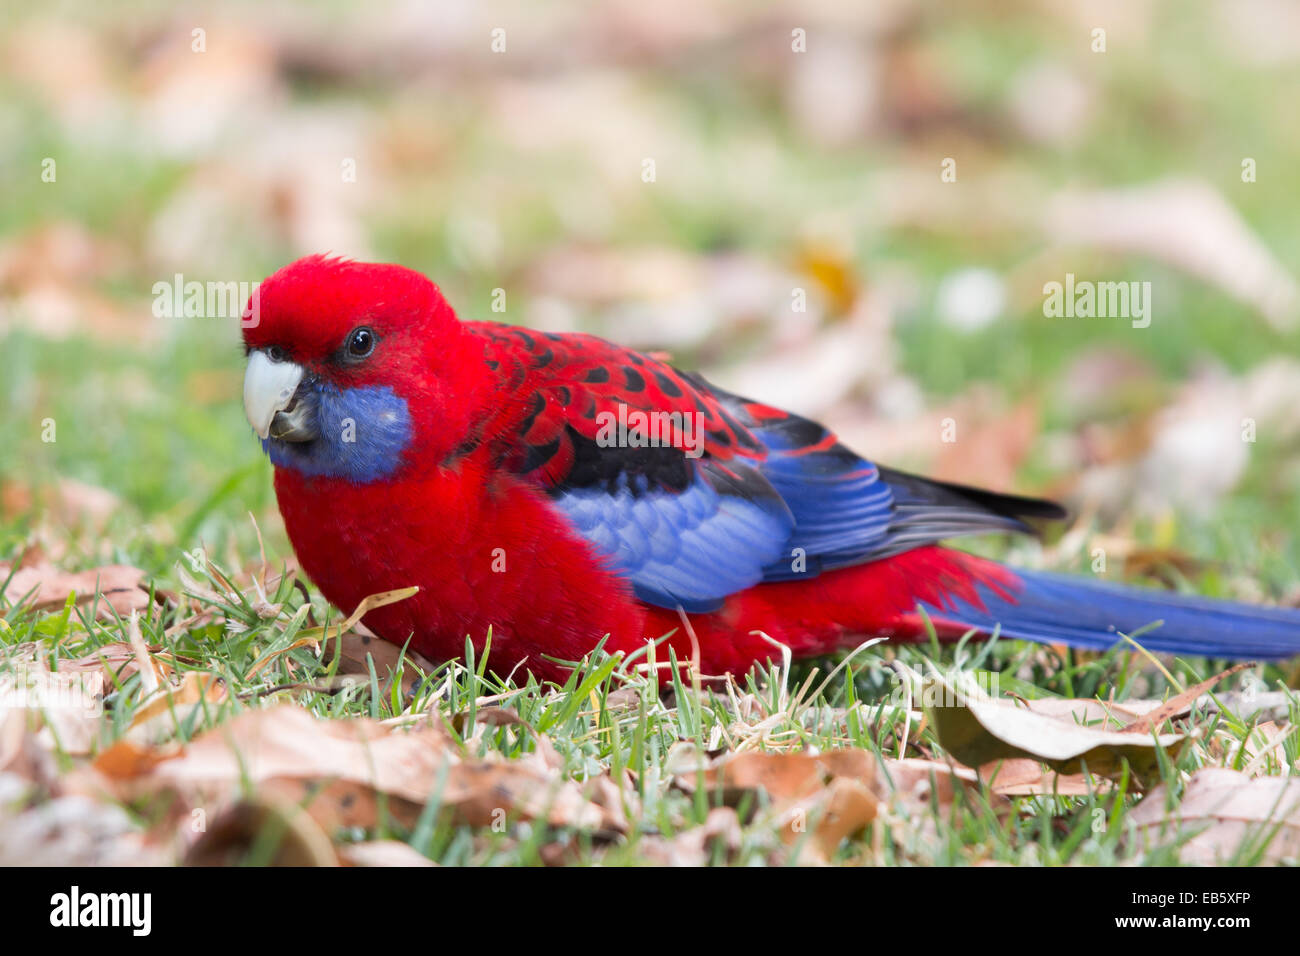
(356, 370)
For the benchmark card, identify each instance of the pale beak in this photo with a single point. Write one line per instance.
(269, 388)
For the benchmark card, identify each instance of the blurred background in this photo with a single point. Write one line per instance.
(848, 209)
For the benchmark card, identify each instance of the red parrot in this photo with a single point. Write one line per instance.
(557, 489)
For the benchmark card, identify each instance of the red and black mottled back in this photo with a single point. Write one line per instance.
(567, 382)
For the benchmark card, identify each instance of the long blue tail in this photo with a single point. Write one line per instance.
(1079, 612)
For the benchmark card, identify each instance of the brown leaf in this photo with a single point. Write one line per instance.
(847, 807)
(1224, 812)
(1024, 778)
(1187, 224)
(977, 729)
(356, 646)
(74, 831)
(339, 632)
(1090, 712)
(287, 741)
(368, 604)
(295, 838)
(63, 708)
(919, 784)
(348, 772)
(120, 588)
(825, 796)
(718, 835)
(160, 713)
(1181, 703)
(484, 793)
(988, 452)
(126, 759)
(382, 853)
(785, 776)
(72, 504)
(343, 804)
(116, 659)
(20, 753)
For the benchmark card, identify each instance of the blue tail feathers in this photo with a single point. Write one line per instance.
(1054, 608)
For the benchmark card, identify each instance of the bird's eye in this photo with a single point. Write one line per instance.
(361, 343)
(276, 354)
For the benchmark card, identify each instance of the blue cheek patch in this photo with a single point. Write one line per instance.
(364, 433)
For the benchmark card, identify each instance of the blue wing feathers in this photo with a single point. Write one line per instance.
(809, 505)
(691, 548)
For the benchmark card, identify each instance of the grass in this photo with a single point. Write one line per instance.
(608, 718)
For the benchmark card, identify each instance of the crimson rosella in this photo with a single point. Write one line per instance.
(557, 489)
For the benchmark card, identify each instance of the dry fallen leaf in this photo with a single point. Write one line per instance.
(488, 717)
(63, 709)
(125, 760)
(1120, 715)
(1226, 812)
(1262, 749)
(21, 755)
(782, 775)
(348, 772)
(115, 661)
(829, 795)
(977, 729)
(120, 588)
(294, 838)
(74, 831)
(161, 713)
(718, 836)
(919, 784)
(846, 808)
(1025, 778)
(1190, 226)
(989, 452)
(71, 503)
(357, 645)
(382, 853)
(1180, 704)
(1105, 715)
